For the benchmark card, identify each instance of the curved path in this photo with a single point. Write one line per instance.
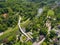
(22, 29)
(49, 29)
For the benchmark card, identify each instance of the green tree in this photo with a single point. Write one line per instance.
(29, 43)
(44, 43)
(43, 31)
(50, 13)
(52, 34)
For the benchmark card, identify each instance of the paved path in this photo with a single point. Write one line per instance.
(21, 28)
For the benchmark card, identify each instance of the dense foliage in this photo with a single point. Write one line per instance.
(10, 10)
